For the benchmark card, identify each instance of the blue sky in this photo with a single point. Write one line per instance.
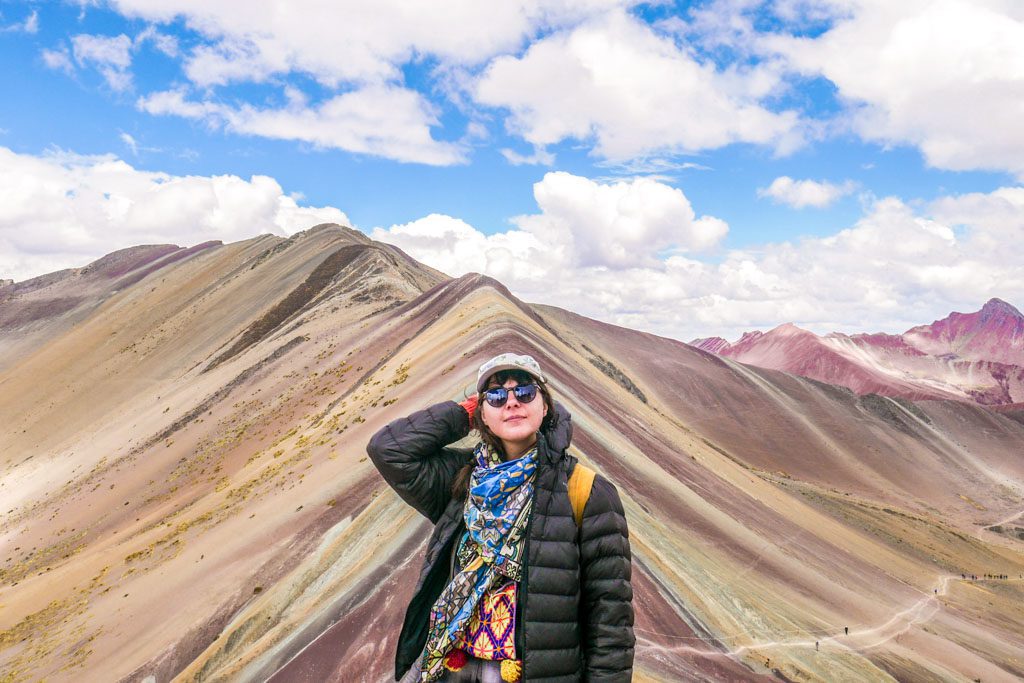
(685, 168)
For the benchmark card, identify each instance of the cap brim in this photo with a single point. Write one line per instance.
(482, 382)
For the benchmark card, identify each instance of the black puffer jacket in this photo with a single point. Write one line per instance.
(575, 611)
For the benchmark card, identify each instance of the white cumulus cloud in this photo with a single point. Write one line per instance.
(591, 71)
(617, 224)
(630, 252)
(454, 247)
(896, 267)
(803, 193)
(58, 59)
(130, 142)
(30, 25)
(163, 42)
(945, 76)
(357, 51)
(61, 209)
(539, 156)
(358, 41)
(379, 120)
(582, 224)
(614, 81)
(111, 55)
(593, 247)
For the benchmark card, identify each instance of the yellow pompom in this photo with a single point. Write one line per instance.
(511, 670)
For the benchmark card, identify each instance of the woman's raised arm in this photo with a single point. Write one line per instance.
(411, 455)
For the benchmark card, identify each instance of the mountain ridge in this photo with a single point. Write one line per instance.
(975, 357)
(228, 524)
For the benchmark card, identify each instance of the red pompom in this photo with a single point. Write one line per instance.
(455, 660)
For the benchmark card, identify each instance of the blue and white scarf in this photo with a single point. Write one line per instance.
(496, 511)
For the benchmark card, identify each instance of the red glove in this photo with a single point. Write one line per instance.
(470, 405)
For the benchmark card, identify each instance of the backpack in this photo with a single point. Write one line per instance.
(580, 483)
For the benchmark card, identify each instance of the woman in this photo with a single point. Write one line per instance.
(511, 588)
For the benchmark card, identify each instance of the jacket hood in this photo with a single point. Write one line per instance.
(558, 435)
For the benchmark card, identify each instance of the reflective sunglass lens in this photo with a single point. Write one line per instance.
(526, 393)
(498, 396)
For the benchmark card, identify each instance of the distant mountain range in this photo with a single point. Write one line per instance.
(966, 356)
(186, 493)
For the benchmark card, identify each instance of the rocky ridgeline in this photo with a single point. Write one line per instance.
(977, 357)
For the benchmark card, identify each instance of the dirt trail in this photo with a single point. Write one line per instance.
(917, 613)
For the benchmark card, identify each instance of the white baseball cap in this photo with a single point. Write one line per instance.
(508, 361)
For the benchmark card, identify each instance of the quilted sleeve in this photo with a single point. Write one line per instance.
(411, 455)
(606, 595)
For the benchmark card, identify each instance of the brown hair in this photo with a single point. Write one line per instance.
(460, 485)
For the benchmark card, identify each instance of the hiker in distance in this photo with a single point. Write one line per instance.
(527, 571)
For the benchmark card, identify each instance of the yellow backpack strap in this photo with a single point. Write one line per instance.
(580, 483)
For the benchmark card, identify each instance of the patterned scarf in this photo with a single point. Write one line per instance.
(496, 511)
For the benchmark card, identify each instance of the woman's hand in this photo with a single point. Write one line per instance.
(470, 406)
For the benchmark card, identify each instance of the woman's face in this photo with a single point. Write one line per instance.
(515, 423)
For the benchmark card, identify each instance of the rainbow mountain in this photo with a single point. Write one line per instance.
(186, 492)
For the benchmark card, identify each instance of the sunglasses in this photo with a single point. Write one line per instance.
(498, 396)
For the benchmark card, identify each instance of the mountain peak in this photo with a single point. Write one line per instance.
(997, 307)
(710, 344)
(789, 329)
(330, 231)
(970, 356)
(993, 334)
